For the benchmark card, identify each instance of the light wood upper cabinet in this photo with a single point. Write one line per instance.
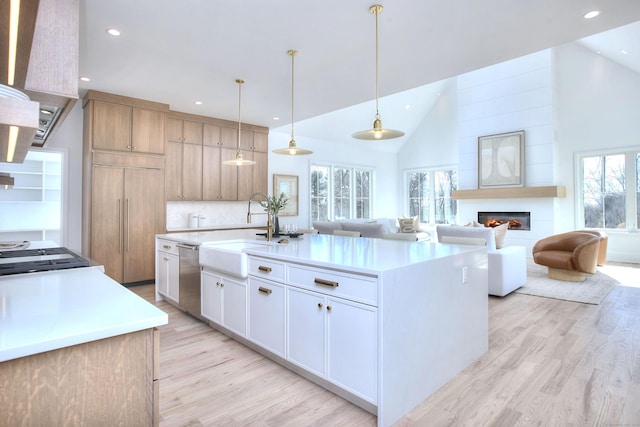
(211, 135)
(183, 171)
(121, 127)
(111, 124)
(260, 142)
(252, 179)
(147, 131)
(219, 182)
(186, 131)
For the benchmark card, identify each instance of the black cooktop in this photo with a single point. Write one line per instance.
(32, 260)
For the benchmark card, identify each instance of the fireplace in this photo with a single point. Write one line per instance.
(516, 220)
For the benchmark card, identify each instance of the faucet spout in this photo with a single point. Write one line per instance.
(268, 213)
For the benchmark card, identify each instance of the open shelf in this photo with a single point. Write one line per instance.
(510, 192)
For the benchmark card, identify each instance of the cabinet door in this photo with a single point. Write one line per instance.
(306, 330)
(252, 179)
(229, 175)
(211, 165)
(173, 171)
(234, 305)
(229, 138)
(191, 172)
(211, 296)
(144, 216)
(147, 132)
(107, 220)
(211, 135)
(192, 132)
(173, 278)
(352, 346)
(173, 129)
(162, 272)
(111, 126)
(266, 315)
(260, 142)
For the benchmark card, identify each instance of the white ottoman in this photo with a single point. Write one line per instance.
(507, 270)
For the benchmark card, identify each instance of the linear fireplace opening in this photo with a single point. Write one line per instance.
(516, 220)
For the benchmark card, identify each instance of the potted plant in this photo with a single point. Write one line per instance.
(273, 205)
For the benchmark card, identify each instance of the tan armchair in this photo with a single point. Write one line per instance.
(604, 239)
(568, 255)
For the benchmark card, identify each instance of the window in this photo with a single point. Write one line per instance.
(340, 192)
(610, 186)
(429, 195)
(31, 210)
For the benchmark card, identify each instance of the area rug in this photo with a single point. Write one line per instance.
(591, 291)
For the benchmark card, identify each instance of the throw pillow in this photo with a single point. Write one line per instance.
(407, 225)
(500, 233)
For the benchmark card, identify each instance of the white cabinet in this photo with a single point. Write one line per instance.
(224, 301)
(333, 338)
(267, 315)
(167, 270)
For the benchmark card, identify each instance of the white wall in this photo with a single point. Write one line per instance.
(68, 139)
(598, 108)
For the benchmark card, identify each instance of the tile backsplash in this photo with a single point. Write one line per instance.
(216, 214)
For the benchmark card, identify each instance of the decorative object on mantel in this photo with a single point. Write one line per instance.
(292, 149)
(501, 160)
(287, 185)
(274, 205)
(377, 133)
(510, 193)
(239, 161)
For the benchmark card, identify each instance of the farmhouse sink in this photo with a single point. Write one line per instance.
(228, 256)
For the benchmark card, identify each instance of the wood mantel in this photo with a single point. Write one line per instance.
(510, 192)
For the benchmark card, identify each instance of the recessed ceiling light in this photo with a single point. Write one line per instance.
(85, 79)
(591, 14)
(624, 52)
(113, 32)
(406, 107)
(276, 118)
(198, 102)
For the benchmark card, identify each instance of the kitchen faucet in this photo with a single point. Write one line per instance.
(269, 222)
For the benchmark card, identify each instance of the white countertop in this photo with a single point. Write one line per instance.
(200, 237)
(358, 254)
(49, 310)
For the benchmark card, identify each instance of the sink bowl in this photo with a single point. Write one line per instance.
(228, 256)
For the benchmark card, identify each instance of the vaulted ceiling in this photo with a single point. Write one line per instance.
(178, 52)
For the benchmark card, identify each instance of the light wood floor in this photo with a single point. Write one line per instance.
(550, 363)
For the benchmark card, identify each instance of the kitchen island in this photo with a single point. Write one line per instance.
(382, 323)
(77, 347)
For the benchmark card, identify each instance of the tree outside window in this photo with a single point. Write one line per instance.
(430, 193)
(339, 192)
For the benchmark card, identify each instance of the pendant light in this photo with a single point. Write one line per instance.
(239, 161)
(292, 150)
(377, 133)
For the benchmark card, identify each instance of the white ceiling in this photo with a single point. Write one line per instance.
(181, 51)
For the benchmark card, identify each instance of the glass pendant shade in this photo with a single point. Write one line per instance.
(239, 161)
(377, 132)
(292, 150)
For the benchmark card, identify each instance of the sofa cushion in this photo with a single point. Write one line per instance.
(366, 229)
(326, 227)
(500, 233)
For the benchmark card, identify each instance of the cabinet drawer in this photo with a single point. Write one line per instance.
(266, 269)
(344, 285)
(168, 246)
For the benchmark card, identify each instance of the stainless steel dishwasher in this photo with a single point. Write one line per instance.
(189, 278)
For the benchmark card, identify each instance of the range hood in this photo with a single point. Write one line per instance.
(45, 68)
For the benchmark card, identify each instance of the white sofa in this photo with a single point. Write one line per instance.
(384, 228)
(507, 265)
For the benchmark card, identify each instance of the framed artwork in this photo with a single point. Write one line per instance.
(287, 184)
(501, 160)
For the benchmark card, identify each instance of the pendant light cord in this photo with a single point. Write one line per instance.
(239, 104)
(376, 11)
(293, 53)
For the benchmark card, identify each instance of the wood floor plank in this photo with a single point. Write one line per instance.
(550, 363)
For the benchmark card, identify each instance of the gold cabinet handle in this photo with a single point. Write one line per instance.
(166, 247)
(120, 226)
(325, 282)
(320, 305)
(128, 224)
(265, 269)
(328, 308)
(265, 291)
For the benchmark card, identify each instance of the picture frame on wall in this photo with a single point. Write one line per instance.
(287, 184)
(501, 160)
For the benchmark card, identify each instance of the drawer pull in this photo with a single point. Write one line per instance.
(325, 282)
(166, 247)
(264, 290)
(319, 305)
(265, 269)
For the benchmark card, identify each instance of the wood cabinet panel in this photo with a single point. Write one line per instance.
(261, 141)
(173, 171)
(147, 133)
(179, 130)
(111, 125)
(191, 172)
(112, 380)
(211, 135)
(252, 179)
